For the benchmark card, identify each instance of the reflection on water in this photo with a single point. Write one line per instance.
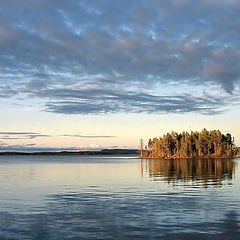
(80, 197)
(204, 172)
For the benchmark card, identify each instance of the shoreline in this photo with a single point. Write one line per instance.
(101, 152)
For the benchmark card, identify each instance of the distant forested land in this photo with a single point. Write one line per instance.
(102, 152)
(204, 144)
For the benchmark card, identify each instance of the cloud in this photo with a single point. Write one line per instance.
(87, 136)
(6, 135)
(97, 101)
(123, 47)
(21, 135)
(32, 148)
(18, 133)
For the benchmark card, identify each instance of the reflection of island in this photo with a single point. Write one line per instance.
(198, 171)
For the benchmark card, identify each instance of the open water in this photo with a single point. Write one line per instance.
(114, 197)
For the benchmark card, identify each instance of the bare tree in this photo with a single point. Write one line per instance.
(141, 146)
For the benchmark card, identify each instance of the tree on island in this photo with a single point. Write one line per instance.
(202, 144)
(141, 146)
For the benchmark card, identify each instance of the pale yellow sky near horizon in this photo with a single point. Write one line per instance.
(125, 129)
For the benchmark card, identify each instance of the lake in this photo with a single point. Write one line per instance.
(118, 197)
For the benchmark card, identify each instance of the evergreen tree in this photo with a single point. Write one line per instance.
(195, 144)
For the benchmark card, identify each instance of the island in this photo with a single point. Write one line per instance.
(203, 144)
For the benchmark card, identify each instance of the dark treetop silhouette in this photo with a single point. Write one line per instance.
(204, 144)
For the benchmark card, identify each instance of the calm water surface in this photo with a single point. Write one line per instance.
(93, 197)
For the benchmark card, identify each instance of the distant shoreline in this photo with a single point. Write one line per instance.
(100, 152)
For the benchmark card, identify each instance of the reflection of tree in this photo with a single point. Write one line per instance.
(209, 171)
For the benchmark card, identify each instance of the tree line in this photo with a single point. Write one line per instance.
(189, 145)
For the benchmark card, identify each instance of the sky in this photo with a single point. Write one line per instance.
(94, 74)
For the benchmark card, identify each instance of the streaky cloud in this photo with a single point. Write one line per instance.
(87, 136)
(97, 101)
(21, 135)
